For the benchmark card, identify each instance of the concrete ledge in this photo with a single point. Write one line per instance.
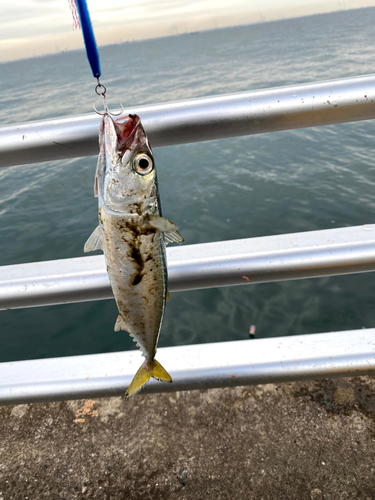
(300, 440)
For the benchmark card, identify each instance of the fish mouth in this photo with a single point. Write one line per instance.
(129, 133)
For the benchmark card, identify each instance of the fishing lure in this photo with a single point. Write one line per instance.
(81, 18)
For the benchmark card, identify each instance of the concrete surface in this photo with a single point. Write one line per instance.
(306, 440)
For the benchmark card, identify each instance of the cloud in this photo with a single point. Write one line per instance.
(32, 17)
(34, 27)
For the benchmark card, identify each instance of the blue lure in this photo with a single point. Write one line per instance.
(89, 38)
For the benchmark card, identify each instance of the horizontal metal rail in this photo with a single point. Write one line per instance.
(226, 364)
(204, 119)
(224, 263)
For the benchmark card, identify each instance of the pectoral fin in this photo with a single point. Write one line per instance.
(165, 226)
(173, 237)
(94, 241)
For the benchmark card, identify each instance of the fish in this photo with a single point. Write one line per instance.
(132, 234)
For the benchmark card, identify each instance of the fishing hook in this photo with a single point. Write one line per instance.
(100, 89)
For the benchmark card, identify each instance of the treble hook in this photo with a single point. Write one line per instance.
(101, 90)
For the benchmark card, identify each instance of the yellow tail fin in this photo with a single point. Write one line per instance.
(147, 370)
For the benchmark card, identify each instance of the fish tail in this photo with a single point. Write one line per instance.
(147, 370)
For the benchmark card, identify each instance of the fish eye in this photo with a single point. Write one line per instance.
(143, 164)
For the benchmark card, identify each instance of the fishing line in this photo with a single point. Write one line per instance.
(81, 19)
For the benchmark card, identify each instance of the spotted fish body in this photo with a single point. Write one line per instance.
(132, 235)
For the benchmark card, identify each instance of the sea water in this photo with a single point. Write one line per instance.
(284, 182)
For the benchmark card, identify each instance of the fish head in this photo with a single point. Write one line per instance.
(127, 180)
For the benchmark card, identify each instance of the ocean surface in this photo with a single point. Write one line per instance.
(284, 182)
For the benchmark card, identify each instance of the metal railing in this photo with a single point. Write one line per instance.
(273, 258)
(204, 119)
(225, 364)
(226, 263)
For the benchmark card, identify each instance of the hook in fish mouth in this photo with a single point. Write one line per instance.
(106, 110)
(101, 90)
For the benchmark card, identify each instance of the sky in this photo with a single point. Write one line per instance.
(31, 28)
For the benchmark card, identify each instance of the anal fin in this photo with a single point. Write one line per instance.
(94, 241)
(121, 324)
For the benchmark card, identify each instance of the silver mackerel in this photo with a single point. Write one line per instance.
(132, 234)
